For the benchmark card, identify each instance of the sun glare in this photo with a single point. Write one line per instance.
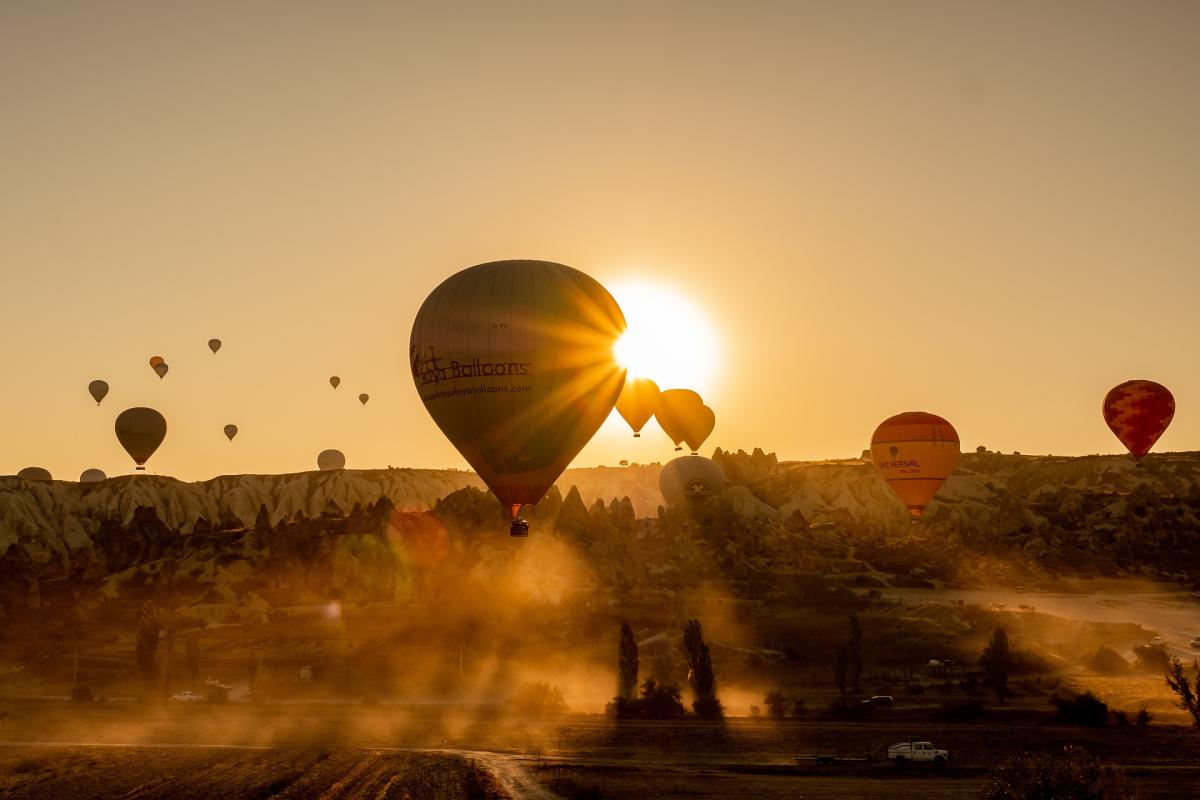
(668, 339)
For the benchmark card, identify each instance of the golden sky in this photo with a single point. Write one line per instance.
(987, 211)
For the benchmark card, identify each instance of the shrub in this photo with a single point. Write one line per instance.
(539, 700)
(776, 703)
(1151, 658)
(1070, 775)
(1143, 718)
(1107, 661)
(656, 701)
(1080, 709)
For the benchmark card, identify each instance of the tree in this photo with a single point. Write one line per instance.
(700, 671)
(191, 657)
(1187, 695)
(996, 661)
(854, 652)
(627, 664)
(1070, 775)
(147, 645)
(776, 703)
(840, 665)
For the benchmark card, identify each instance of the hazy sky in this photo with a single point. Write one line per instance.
(984, 210)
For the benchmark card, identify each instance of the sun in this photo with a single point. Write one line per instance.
(668, 339)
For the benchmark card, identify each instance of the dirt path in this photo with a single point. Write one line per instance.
(510, 772)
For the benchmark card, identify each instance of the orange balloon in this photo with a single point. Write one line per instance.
(155, 361)
(637, 403)
(915, 452)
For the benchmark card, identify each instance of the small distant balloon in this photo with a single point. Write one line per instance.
(335, 381)
(214, 345)
(331, 459)
(161, 370)
(1138, 412)
(140, 431)
(155, 361)
(98, 390)
(230, 432)
(363, 398)
(92, 476)
(35, 474)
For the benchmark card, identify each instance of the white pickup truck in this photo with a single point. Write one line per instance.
(903, 753)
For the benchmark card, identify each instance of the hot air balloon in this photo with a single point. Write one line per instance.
(637, 402)
(331, 459)
(514, 362)
(915, 452)
(699, 425)
(161, 370)
(155, 361)
(98, 390)
(35, 474)
(675, 413)
(214, 345)
(363, 398)
(92, 476)
(140, 431)
(335, 381)
(1138, 412)
(690, 480)
(230, 432)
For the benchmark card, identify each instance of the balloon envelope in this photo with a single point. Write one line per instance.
(363, 398)
(35, 474)
(637, 402)
(335, 381)
(155, 361)
(98, 390)
(915, 452)
(161, 370)
(690, 480)
(230, 432)
(675, 413)
(140, 431)
(700, 425)
(214, 345)
(514, 362)
(92, 476)
(1138, 412)
(331, 459)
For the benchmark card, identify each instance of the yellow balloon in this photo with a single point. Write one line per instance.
(514, 362)
(674, 413)
(637, 403)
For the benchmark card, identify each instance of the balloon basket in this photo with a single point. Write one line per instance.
(519, 528)
(140, 469)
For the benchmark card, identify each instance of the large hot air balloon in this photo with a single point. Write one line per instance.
(161, 370)
(915, 452)
(335, 381)
(1138, 412)
(690, 480)
(331, 459)
(98, 390)
(514, 362)
(230, 432)
(214, 345)
(637, 402)
(92, 476)
(140, 431)
(676, 413)
(35, 474)
(363, 398)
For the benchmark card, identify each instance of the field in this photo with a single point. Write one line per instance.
(347, 751)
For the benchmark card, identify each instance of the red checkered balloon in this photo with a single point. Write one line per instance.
(1138, 412)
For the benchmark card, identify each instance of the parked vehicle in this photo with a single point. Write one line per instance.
(914, 751)
(880, 701)
(187, 697)
(1195, 643)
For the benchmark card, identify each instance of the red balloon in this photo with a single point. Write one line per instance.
(1138, 412)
